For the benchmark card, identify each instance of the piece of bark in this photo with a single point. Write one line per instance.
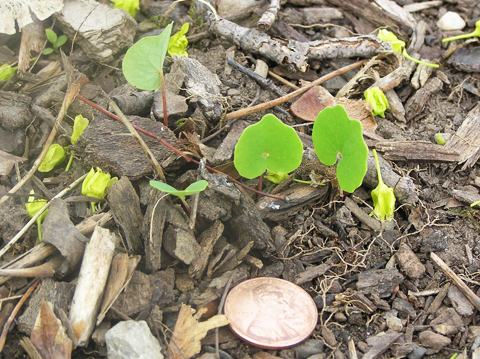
(121, 272)
(416, 104)
(106, 143)
(409, 262)
(33, 39)
(417, 151)
(224, 256)
(226, 265)
(311, 273)
(85, 20)
(224, 152)
(91, 283)
(396, 108)
(371, 222)
(380, 343)
(395, 78)
(8, 161)
(269, 16)
(365, 9)
(136, 103)
(379, 281)
(207, 240)
(125, 206)
(60, 294)
(459, 301)
(152, 229)
(14, 110)
(392, 8)
(178, 239)
(403, 187)
(287, 32)
(468, 194)
(466, 138)
(49, 335)
(432, 309)
(422, 5)
(59, 231)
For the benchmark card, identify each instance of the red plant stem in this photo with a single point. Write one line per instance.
(164, 99)
(260, 182)
(163, 142)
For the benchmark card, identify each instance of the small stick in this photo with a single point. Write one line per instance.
(6, 328)
(292, 95)
(282, 80)
(269, 16)
(151, 157)
(471, 296)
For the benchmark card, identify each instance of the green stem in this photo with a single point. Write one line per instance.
(300, 181)
(475, 204)
(459, 37)
(164, 99)
(408, 57)
(39, 229)
(380, 180)
(70, 160)
(93, 206)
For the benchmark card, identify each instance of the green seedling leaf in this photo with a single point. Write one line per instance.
(178, 42)
(399, 46)
(6, 72)
(96, 183)
(79, 125)
(143, 62)
(130, 6)
(51, 36)
(440, 140)
(55, 155)
(465, 36)
(335, 133)
(377, 99)
(47, 51)
(268, 144)
(33, 206)
(195, 187)
(382, 196)
(60, 41)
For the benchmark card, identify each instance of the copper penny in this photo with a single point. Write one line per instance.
(271, 313)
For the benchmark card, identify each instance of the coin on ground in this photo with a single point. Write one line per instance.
(271, 313)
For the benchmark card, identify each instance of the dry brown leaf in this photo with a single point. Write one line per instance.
(309, 105)
(49, 336)
(188, 332)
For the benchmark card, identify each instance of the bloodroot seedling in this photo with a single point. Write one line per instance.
(268, 144)
(335, 133)
(195, 187)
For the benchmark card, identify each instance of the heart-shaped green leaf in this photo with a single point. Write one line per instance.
(195, 187)
(335, 133)
(143, 62)
(268, 144)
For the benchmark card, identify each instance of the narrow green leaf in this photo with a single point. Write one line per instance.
(143, 62)
(335, 133)
(47, 51)
(268, 144)
(51, 35)
(192, 189)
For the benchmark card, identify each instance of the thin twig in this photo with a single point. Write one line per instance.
(6, 328)
(269, 16)
(151, 157)
(292, 95)
(72, 91)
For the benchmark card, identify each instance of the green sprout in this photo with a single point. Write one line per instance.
(178, 42)
(143, 64)
(7, 71)
(96, 184)
(33, 206)
(399, 46)
(377, 99)
(335, 133)
(440, 140)
(382, 196)
(267, 145)
(195, 187)
(476, 33)
(130, 6)
(54, 40)
(79, 125)
(276, 178)
(55, 155)
(475, 204)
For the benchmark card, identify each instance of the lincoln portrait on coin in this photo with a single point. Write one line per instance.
(275, 318)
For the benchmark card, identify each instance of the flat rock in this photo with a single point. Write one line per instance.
(379, 281)
(14, 110)
(13, 142)
(435, 242)
(461, 304)
(430, 339)
(449, 317)
(309, 348)
(13, 216)
(394, 323)
(403, 306)
(130, 339)
(100, 30)
(177, 107)
(409, 262)
(451, 21)
(107, 144)
(466, 59)
(418, 351)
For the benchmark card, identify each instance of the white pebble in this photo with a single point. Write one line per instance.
(451, 21)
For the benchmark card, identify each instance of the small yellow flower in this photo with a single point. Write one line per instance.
(377, 99)
(96, 183)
